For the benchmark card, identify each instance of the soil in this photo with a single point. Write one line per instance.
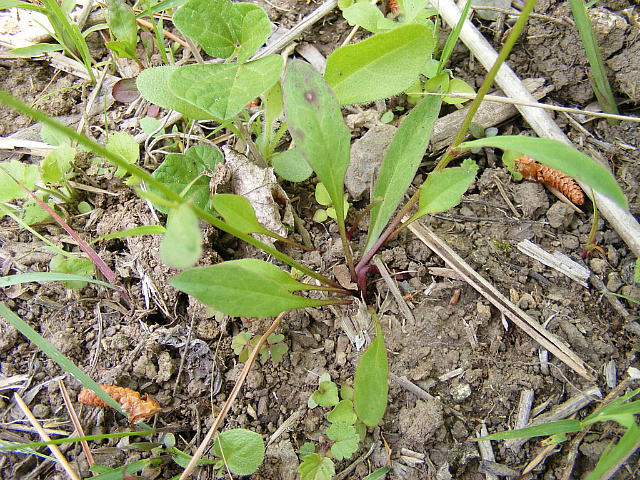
(458, 350)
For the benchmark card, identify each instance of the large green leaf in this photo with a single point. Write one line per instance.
(153, 85)
(560, 156)
(255, 30)
(241, 450)
(370, 386)
(248, 287)
(318, 130)
(400, 163)
(380, 66)
(225, 89)
(208, 22)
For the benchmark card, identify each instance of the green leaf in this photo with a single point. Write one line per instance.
(379, 473)
(371, 384)
(443, 190)
(82, 267)
(256, 28)
(345, 438)
(315, 467)
(48, 277)
(610, 459)
(6, 4)
(241, 450)
(247, 287)
(317, 128)
(27, 175)
(560, 156)
(123, 144)
(182, 243)
(380, 66)
(57, 163)
(307, 449)
(52, 136)
(277, 351)
(326, 395)
(122, 24)
(291, 165)
(544, 430)
(178, 172)
(457, 85)
(368, 16)
(237, 211)
(343, 412)
(401, 163)
(322, 195)
(37, 49)
(225, 89)
(208, 23)
(153, 84)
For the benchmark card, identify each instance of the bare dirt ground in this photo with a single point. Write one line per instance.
(457, 350)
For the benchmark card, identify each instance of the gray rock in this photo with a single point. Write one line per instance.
(367, 154)
(560, 215)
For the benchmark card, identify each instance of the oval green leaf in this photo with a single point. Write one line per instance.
(182, 243)
(225, 89)
(318, 130)
(443, 190)
(153, 85)
(291, 165)
(238, 211)
(560, 156)
(370, 386)
(380, 66)
(241, 450)
(248, 287)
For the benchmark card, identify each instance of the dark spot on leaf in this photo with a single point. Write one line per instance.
(310, 96)
(299, 134)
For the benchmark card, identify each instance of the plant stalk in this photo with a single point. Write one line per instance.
(486, 85)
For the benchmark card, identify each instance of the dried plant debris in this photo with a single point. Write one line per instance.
(532, 170)
(140, 407)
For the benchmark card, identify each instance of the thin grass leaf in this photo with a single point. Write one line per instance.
(613, 459)
(601, 86)
(544, 430)
(88, 438)
(40, 277)
(132, 232)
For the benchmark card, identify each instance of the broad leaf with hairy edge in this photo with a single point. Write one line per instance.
(370, 386)
(401, 162)
(179, 170)
(318, 130)
(225, 89)
(153, 85)
(182, 243)
(444, 189)
(241, 450)
(560, 156)
(247, 287)
(315, 467)
(208, 23)
(380, 66)
(237, 211)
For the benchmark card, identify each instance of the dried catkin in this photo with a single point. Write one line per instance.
(140, 408)
(393, 7)
(532, 170)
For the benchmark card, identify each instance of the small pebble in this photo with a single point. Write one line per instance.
(598, 265)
